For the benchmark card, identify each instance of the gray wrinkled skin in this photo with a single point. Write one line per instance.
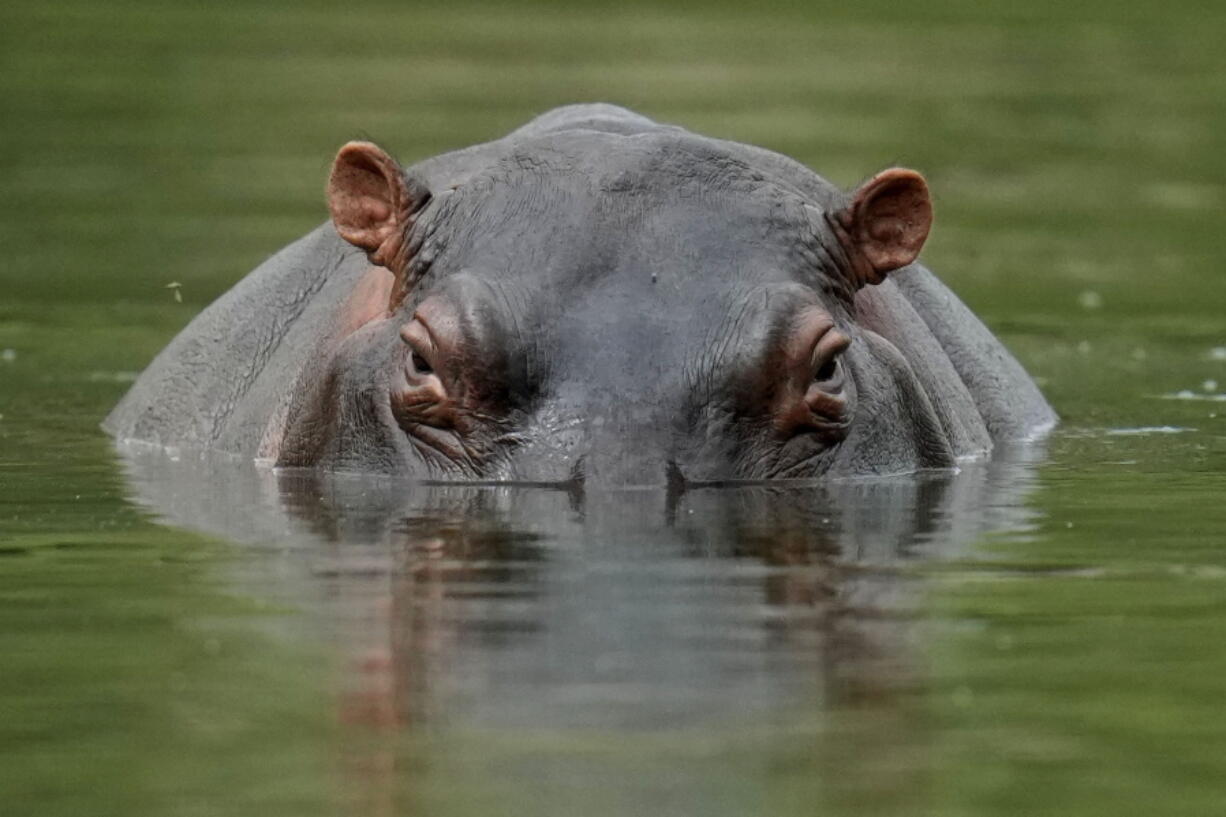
(622, 288)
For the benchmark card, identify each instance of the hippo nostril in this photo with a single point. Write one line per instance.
(674, 479)
(629, 468)
(578, 472)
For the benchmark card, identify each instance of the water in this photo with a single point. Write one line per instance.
(1038, 634)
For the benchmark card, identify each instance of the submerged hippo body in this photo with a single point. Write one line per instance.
(599, 298)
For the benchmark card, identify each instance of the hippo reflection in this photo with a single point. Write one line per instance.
(594, 298)
(520, 606)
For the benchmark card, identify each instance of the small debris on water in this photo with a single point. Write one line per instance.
(1139, 354)
(8, 355)
(1090, 300)
(1084, 347)
(1188, 394)
(112, 377)
(1209, 385)
(1217, 353)
(176, 286)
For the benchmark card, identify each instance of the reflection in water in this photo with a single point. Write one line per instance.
(509, 610)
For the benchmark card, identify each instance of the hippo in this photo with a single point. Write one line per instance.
(594, 299)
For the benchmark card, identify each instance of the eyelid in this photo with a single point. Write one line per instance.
(416, 334)
(829, 346)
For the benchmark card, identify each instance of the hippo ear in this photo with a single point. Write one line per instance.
(886, 223)
(373, 202)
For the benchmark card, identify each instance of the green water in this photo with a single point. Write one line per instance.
(1067, 656)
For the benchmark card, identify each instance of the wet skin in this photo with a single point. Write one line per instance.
(600, 299)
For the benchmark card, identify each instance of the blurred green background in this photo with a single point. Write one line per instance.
(145, 142)
(1075, 153)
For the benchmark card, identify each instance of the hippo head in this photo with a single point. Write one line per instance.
(621, 310)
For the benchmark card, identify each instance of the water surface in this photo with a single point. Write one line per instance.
(1039, 634)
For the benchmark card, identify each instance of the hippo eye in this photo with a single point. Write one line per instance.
(814, 394)
(422, 400)
(827, 371)
(421, 365)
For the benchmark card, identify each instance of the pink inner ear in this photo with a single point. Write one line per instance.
(374, 210)
(892, 216)
(363, 195)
